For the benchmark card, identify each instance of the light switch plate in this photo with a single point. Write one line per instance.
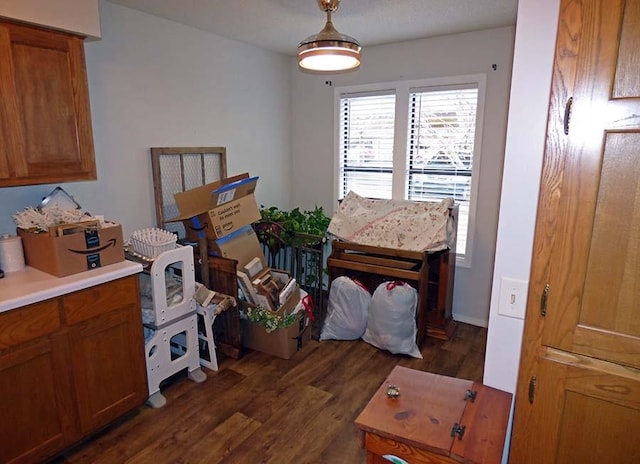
(513, 297)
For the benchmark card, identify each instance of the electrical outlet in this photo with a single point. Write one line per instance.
(513, 297)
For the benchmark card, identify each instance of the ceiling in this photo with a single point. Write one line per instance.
(279, 25)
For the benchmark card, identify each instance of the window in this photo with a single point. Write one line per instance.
(417, 140)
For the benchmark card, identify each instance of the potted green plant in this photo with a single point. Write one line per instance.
(278, 228)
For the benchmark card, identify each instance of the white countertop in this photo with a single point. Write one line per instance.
(31, 285)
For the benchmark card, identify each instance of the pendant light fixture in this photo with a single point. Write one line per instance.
(328, 50)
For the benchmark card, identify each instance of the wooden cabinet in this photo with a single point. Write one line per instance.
(430, 273)
(107, 351)
(578, 394)
(34, 384)
(227, 329)
(69, 366)
(45, 121)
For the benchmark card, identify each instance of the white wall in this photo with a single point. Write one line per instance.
(79, 16)
(156, 83)
(528, 107)
(459, 54)
(530, 86)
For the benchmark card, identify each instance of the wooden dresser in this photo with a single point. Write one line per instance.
(430, 273)
(434, 420)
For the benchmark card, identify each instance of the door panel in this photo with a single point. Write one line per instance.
(627, 80)
(10, 126)
(109, 354)
(584, 418)
(616, 239)
(595, 267)
(35, 400)
(50, 136)
(45, 118)
(582, 411)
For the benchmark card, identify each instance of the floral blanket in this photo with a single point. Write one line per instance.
(400, 224)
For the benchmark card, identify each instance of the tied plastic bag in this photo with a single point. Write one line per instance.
(392, 319)
(347, 311)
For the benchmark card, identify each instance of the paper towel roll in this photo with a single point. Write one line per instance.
(11, 253)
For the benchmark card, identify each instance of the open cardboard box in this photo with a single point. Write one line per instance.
(219, 208)
(243, 246)
(72, 248)
(283, 343)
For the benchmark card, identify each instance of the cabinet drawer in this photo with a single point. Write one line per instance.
(24, 324)
(91, 302)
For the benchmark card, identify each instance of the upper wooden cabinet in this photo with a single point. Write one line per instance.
(45, 120)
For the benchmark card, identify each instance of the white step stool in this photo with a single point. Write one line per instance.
(171, 339)
(206, 318)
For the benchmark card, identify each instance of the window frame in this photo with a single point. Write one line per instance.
(402, 90)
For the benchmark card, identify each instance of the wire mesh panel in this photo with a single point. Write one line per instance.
(178, 169)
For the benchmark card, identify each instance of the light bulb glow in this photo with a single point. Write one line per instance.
(327, 59)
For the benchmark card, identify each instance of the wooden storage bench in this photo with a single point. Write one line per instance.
(424, 418)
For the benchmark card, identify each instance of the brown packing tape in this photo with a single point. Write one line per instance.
(70, 228)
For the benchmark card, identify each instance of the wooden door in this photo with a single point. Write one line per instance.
(578, 394)
(107, 351)
(36, 397)
(45, 117)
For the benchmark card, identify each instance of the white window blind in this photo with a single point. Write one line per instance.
(366, 144)
(440, 146)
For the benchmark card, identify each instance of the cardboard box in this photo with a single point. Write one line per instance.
(217, 209)
(241, 245)
(283, 343)
(79, 249)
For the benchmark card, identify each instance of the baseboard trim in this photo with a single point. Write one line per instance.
(471, 320)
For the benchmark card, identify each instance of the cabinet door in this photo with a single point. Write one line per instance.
(583, 411)
(594, 274)
(578, 388)
(10, 144)
(108, 353)
(44, 110)
(36, 400)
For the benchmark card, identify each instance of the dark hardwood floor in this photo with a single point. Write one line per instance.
(261, 409)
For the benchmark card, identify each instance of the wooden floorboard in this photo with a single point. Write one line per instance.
(262, 409)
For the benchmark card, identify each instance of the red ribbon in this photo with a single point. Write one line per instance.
(395, 283)
(360, 284)
(307, 303)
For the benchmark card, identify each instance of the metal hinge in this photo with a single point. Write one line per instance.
(470, 395)
(543, 300)
(532, 388)
(458, 430)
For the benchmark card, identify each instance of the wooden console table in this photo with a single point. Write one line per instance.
(430, 273)
(435, 420)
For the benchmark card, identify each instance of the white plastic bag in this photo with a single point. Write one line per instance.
(347, 310)
(392, 319)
